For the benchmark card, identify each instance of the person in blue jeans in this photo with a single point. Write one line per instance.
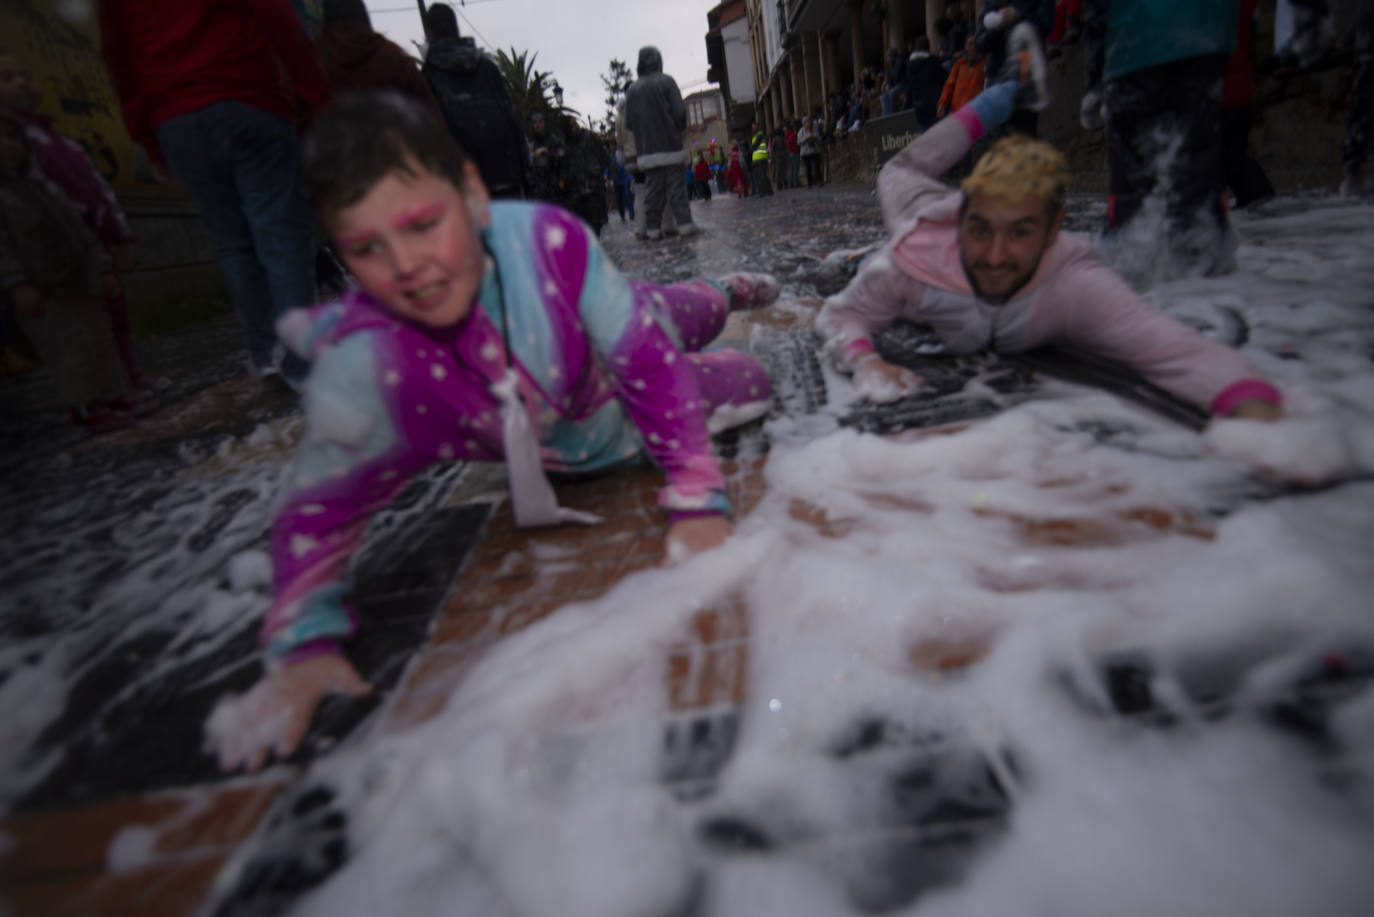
(201, 89)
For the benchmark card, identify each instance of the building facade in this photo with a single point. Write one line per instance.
(729, 52)
(707, 127)
(802, 51)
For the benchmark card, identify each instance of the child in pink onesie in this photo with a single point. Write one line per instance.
(988, 267)
(482, 331)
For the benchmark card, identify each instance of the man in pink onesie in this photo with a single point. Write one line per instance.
(987, 267)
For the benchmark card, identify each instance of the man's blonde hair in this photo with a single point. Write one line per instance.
(1018, 167)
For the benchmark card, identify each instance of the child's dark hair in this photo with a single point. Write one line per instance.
(365, 136)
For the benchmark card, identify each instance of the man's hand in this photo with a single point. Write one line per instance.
(687, 537)
(880, 381)
(1255, 409)
(161, 174)
(942, 111)
(275, 715)
(28, 302)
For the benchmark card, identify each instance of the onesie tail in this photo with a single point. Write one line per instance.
(750, 290)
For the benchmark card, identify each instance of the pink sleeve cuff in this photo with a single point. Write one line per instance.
(1244, 390)
(969, 119)
(856, 349)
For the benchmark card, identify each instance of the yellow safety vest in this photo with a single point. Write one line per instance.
(760, 147)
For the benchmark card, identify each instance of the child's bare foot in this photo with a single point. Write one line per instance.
(750, 290)
(692, 536)
(274, 716)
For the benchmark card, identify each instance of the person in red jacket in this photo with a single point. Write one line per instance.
(789, 139)
(965, 79)
(734, 173)
(701, 178)
(209, 90)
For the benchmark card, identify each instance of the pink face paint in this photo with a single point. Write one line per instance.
(416, 215)
(357, 240)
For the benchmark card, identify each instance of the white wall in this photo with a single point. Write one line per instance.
(739, 63)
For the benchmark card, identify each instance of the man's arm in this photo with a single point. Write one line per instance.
(876, 296)
(951, 80)
(1106, 317)
(912, 176)
(114, 48)
(870, 302)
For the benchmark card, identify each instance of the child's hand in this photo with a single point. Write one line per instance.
(880, 381)
(28, 302)
(687, 537)
(275, 715)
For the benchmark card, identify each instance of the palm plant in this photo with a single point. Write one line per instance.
(527, 85)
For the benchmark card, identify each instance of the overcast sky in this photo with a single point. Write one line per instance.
(575, 39)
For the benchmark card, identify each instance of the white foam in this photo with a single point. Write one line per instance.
(250, 570)
(133, 846)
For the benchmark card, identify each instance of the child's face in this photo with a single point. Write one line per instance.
(17, 89)
(413, 243)
(14, 151)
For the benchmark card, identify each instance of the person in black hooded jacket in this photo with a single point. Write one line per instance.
(476, 104)
(656, 115)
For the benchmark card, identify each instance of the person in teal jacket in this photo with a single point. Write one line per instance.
(1157, 67)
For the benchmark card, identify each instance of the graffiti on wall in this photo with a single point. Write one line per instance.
(58, 42)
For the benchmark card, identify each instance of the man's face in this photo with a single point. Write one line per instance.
(413, 242)
(537, 125)
(971, 48)
(17, 89)
(1001, 242)
(969, 9)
